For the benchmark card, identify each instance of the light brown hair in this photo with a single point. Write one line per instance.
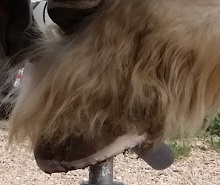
(146, 66)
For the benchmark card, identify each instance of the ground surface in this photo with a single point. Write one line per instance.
(202, 167)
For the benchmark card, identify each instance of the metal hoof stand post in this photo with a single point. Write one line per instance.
(102, 174)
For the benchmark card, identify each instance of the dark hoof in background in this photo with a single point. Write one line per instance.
(158, 158)
(5, 107)
(5, 111)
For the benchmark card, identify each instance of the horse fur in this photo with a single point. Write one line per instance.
(149, 66)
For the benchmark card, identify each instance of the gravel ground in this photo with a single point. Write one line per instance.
(202, 167)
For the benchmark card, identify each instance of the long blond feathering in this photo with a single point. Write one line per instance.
(148, 66)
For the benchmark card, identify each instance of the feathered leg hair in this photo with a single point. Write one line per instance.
(146, 67)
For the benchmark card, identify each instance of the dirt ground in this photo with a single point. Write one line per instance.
(202, 167)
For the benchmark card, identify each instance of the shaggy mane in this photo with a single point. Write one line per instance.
(145, 66)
